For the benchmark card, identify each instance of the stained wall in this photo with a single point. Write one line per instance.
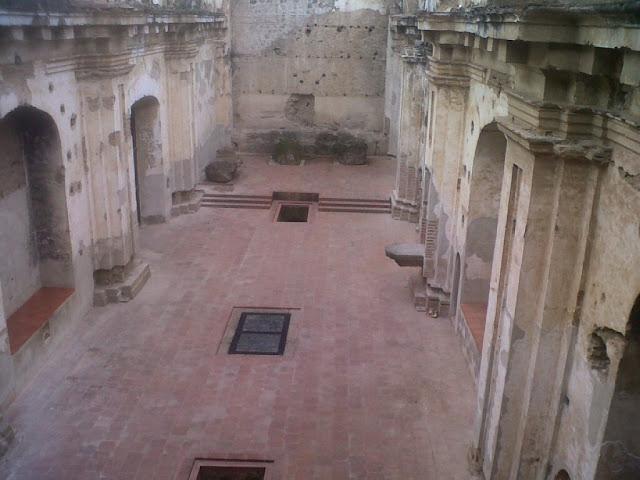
(304, 68)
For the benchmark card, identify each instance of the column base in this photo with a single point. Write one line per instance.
(123, 286)
(186, 202)
(437, 302)
(418, 286)
(402, 209)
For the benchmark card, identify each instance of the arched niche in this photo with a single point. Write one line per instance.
(482, 222)
(35, 244)
(150, 178)
(620, 451)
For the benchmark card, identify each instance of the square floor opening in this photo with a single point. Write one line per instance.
(261, 333)
(230, 473)
(293, 213)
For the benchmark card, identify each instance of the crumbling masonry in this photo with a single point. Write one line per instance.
(514, 128)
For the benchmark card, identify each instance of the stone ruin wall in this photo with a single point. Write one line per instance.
(305, 68)
(86, 71)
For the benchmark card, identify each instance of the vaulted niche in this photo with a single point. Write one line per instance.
(151, 189)
(484, 207)
(620, 453)
(35, 245)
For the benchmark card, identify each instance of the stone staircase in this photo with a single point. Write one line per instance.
(224, 200)
(354, 205)
(264, 202)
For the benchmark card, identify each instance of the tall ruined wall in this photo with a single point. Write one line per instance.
(547, 115)
(305, 68)
(86, 78)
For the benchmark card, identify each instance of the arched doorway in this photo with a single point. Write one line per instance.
(620, 453)
(151, 188)
(36, 248)
(482, 223)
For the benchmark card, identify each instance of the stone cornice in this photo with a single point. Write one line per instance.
(552, 145)
(111, 65)
(105, 17)
(549, 26)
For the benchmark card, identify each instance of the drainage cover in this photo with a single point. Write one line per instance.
(293, 213)
(230, 473)
(261, 333)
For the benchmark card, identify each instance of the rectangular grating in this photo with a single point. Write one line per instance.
(260, 333)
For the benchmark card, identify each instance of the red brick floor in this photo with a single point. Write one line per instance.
(373, 390)
(321, 176)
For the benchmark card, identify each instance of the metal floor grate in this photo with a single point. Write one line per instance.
(260, 333)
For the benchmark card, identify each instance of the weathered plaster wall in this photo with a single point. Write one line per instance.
(611, 286)
(308, 68)
(87, 78)
(19, 272)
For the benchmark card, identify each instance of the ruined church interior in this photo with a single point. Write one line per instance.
(320, 239)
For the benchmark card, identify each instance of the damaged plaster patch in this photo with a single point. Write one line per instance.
(633, 180)
(300, 108)
(604, 344)
(477, 268)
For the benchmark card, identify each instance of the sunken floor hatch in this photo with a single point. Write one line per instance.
(231, 473)
(293, 213)
(230, 470)
(261, 333)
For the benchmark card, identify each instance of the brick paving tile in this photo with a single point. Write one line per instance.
(372, 389)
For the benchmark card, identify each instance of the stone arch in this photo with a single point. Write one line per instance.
(150, 179)
(620, 452)
(36, 249)
(482, 222)
(562, 475)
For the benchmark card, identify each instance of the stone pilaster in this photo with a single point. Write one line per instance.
(548, 193)
(447, 96)
(107, 160)
(405, 198)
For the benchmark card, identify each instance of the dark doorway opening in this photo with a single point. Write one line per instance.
(293, 213)
(147, 160)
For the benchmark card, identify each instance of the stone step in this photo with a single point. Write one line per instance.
(258, 206)
(236, 200)
(354, 209)
(347, 203)
(230, 196)
(355, 200)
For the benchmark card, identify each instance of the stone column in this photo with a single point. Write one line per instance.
(108, 160)
(184, 172)
(548, 194)
(405, 199)
(448, 93)
(108, 172)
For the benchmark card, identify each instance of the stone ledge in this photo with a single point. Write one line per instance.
(406, 254)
